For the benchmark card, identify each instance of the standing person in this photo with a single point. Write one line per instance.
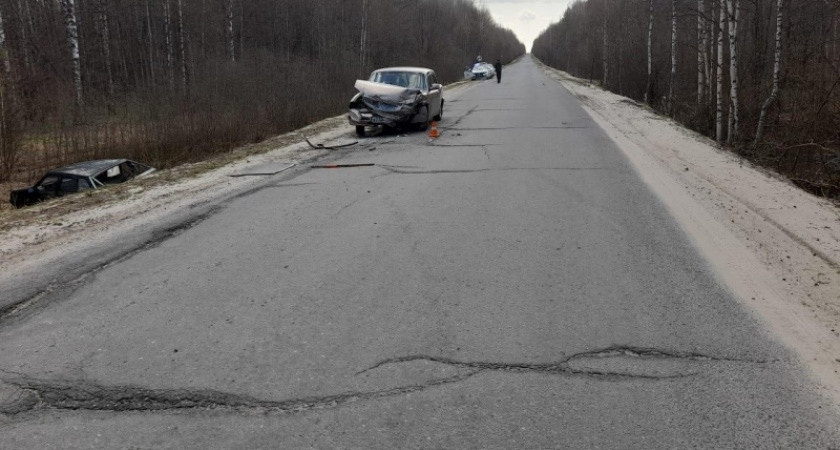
(498, 66)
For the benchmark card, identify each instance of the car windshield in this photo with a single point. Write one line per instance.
(412, 80)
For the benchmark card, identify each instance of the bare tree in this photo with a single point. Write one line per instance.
(151, 42)
(701, 53)
(363, 37)
(649, 88)
(182, 47)
(4, 52)
(733, 12)
(25, 19)
(719, 107)
(231, 46)
(673, 80)
(72, 29)
(777, 64)
(606, 51)
(105, 39)
(167, 33)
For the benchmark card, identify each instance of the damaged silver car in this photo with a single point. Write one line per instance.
(397, 97)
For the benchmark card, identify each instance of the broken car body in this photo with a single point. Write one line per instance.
(79, 177)
(397, 96)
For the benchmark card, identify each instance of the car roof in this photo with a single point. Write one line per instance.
(88, 168)
(404, 69)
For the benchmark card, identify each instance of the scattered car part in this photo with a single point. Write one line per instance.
(339, 166)
(330, 147)
(264, 169)
(79, 177)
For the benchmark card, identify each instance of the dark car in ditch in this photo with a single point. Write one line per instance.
(397, 97)
(79, 177)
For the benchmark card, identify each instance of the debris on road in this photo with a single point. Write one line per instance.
(264, 170)
(339, 166)
(330, 147)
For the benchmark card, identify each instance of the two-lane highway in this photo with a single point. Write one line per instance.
(512, 284)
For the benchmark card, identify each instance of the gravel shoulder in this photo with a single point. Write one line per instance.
(775, 246)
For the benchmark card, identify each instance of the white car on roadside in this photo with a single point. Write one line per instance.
(483, 71)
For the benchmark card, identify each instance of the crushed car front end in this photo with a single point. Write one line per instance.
(384, 104)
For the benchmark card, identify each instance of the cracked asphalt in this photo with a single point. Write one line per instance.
(512, 284)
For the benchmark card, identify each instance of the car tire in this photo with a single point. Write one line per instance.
(439, 117)
(360, 130)
(423, 126)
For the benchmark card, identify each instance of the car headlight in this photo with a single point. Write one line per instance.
(355, 115)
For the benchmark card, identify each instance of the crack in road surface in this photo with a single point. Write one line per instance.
(508, 169)
(518, 128)
(76, 396)
(464, 116)
(562, 366)
(44, 297)
(39, 394)
(463, 145)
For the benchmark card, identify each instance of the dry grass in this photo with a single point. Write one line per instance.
(53, 210)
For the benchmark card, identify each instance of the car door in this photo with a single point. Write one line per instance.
(48, 187)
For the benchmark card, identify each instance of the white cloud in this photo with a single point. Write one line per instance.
(526, 15)
(527, 18)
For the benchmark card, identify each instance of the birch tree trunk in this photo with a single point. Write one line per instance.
(701, 49)
(673, 81)
(709, 51)
(72, 28)
(230, 36)
(733, 9)
(4, 52)
(648, 93)
(719, 115)
(777, 68)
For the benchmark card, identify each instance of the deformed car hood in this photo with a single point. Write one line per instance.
(386, 92)
(395, 103)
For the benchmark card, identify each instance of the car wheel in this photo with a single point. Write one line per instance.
(423, 126)
(360, 130)
(439, 117)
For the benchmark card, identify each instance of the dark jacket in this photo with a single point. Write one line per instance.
(498, 66)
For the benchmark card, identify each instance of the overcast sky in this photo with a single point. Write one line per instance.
(527, 18)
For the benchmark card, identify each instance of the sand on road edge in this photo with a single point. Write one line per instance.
(775, 246)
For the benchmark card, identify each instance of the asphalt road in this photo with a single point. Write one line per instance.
(511, 285)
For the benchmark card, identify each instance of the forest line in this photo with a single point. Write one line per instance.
(173, 81)
(759, 76)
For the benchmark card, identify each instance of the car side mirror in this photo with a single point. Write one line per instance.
(437, 86)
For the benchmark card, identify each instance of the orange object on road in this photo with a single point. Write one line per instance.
(434, 131)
